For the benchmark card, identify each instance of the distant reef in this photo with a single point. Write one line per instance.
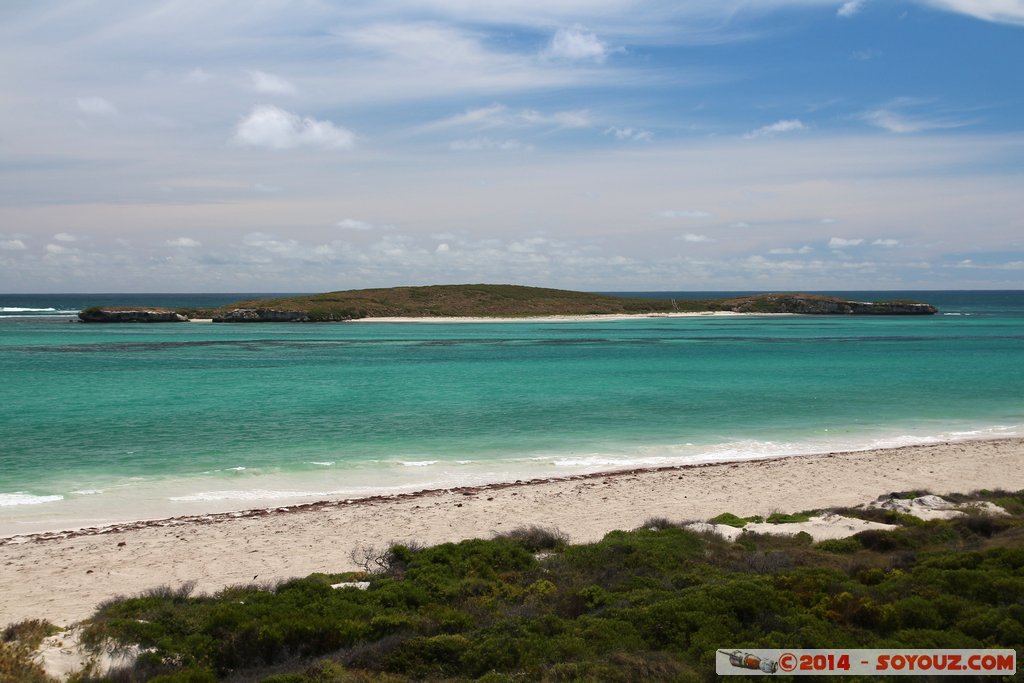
(492, 301)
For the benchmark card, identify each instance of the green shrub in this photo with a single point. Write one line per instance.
(795, 518)
(729, 519)
(843, 546)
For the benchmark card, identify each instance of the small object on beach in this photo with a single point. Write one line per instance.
(121, 544)
(88, 571)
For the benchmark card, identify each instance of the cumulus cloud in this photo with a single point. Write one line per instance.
(886, 243)
(65, 237)
(185, 242)
(12, 245)
(576, 44)
(697, 239)
(686, 213)
(56, 249)
(261, 81)
(482, 143)
(850, 8)
(634, 134)
(783, 126)
(96, 106)
(841, 242)
(270, 127)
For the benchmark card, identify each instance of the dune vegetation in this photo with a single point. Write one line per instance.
(652, 604)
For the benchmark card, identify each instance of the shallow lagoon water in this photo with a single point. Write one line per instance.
(115, 422)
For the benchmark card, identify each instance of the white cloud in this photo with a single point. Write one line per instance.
(498, 115)
(562, 119)
(12, 245)
(789, 250)
(783, 126)
(353, 224)
(689, 213)
(442, 248)
(840, 242)
(482, 143)
(890, 118)
(96, 106)
(633, 134)
(576, 44)
(886, 243)
(865, 55)
(262, 82)
(850, 8)
(999, 11)
(273, 128)
(691, 237)
(56, 249)
(65, 237)
(739, 224)
(185, 242)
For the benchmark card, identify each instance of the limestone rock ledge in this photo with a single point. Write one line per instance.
(262, 315)
(130, 315)
(782, 303)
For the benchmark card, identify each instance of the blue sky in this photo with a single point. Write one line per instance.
(309, 145)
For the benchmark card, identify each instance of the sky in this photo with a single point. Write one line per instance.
(621, 145)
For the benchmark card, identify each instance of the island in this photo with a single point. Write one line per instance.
(493, 301)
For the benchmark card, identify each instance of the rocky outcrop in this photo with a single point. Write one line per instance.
(813, 305)
(262, 315)
(130, 315)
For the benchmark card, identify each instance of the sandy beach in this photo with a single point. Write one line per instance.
(63, 576)
(596, 317)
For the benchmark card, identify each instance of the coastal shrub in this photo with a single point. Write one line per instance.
(656, 523)
(842, 546)
(984, 524)
(794, 518)
(18, 642)
(729, 519)
(636, 605)
(535, 538)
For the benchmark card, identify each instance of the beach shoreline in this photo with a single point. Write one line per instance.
(62, 576)
(592, 317)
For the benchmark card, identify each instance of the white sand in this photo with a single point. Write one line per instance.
(551, 318)
(63, 578)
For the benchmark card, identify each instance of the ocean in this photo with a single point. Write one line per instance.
(107, 423)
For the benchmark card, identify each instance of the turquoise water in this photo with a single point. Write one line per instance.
(104, 423)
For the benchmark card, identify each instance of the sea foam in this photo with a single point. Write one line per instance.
(22, 498)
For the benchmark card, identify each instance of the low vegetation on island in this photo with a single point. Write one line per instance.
(490, 301)
(651, 604)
